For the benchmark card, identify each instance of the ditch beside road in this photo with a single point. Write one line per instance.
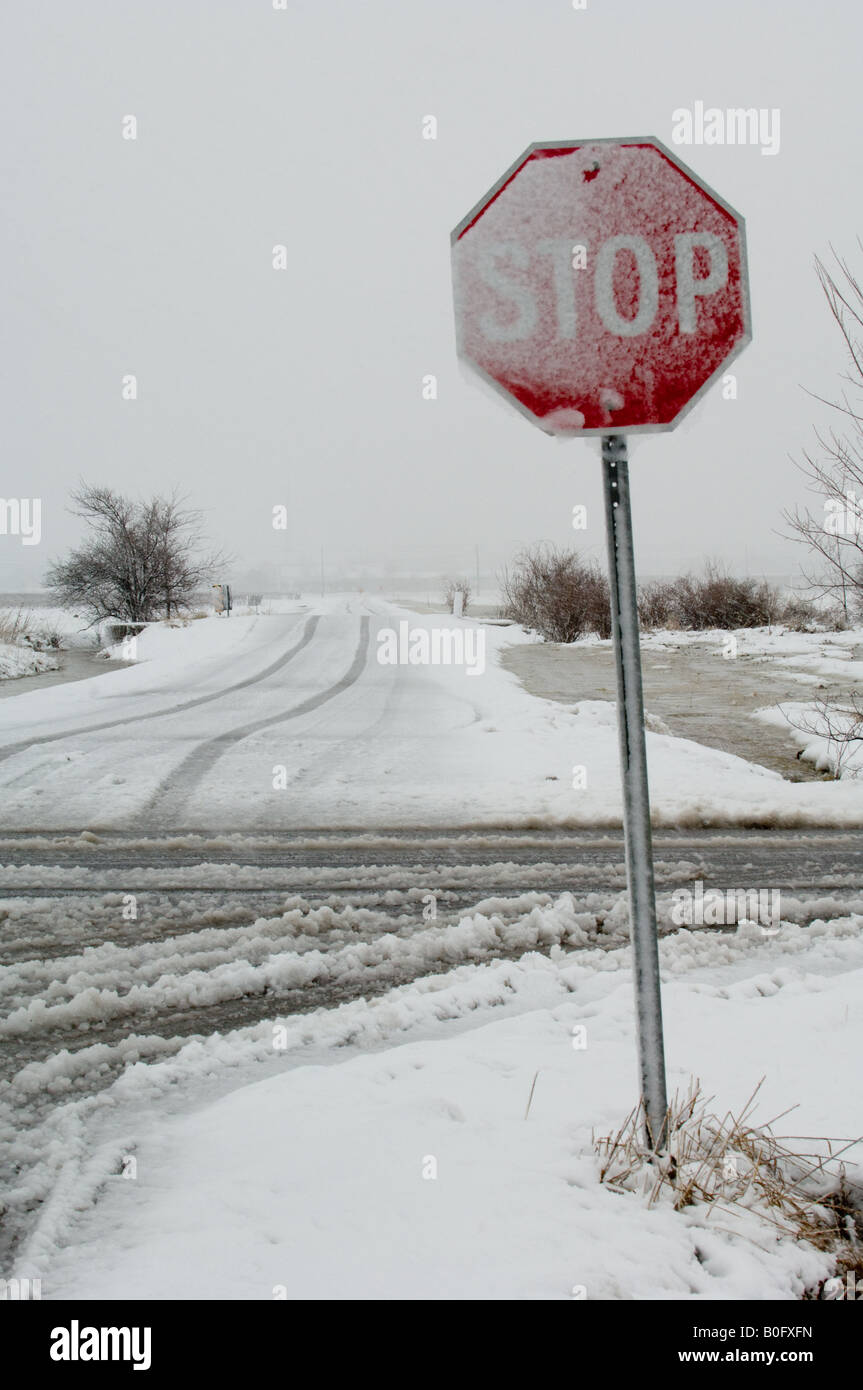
(696, 692)
(75, 665)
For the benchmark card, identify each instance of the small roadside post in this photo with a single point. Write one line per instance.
(223, 601)
(601, 287)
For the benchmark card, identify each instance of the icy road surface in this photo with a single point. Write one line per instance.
(229, 935)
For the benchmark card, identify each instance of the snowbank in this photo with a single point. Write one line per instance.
(23, 661)
(389, 1153)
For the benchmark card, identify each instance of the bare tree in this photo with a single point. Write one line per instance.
(184, 567)
(834, 471)
(140, 560)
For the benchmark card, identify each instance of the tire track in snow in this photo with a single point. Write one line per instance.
(11, 749)
(174, 792)
(277, 956)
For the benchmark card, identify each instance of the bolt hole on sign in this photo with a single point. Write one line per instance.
(601, 286)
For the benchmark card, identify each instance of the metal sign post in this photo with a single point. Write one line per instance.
(636, 799)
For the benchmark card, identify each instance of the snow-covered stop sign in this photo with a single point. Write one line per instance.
(601, 286)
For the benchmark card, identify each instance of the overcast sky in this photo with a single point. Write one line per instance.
(303, 126)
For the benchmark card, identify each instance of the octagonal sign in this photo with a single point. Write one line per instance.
(600, 286)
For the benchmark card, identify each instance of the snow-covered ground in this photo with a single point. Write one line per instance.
(291, 720)
(437, 1142)
(420, 1122)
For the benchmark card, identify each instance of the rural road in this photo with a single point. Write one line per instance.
(146, 852)
(196, 744)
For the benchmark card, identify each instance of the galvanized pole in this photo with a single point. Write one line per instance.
(636, 801)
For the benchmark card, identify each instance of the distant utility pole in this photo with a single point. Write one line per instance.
(323, 585)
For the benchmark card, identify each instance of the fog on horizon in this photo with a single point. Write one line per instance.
(304, 126)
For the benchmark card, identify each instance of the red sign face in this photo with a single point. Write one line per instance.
(600, 286)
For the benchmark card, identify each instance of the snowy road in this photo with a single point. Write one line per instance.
(293, 721)
(104, 944)
(156, 753)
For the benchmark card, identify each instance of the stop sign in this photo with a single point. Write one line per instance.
(601, 286)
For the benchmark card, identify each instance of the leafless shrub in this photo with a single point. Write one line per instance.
(716, 599)
(840, 724)
(803, 615)
(657, 605)
(836, 619)
(713, 599)
(556, 594)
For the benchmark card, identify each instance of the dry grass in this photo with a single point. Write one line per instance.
(729, 1165)
(14, 625)
(18, 628)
